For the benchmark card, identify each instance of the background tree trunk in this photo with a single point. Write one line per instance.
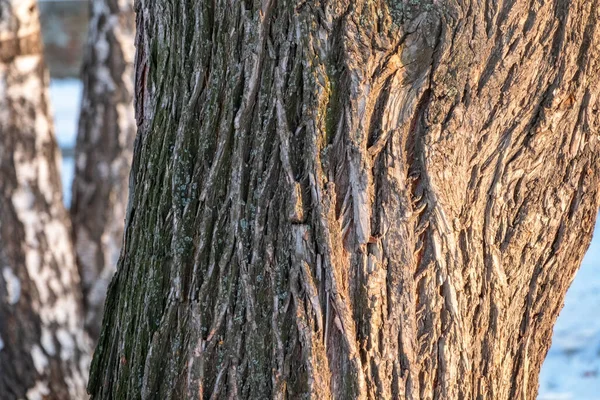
(103, 152)
(352, 199)
(44, 352)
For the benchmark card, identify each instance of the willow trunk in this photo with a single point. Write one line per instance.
(369, 199)
(44, 353)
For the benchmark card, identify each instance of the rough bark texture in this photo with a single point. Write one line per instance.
(352, 199)
(44, 352)
(104, 149)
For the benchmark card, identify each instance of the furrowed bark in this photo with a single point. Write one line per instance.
(352, 199)
(104, 150)
(44, 352)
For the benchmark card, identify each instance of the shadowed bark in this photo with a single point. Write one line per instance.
(103, 153)
(44, 353)
(370, 199)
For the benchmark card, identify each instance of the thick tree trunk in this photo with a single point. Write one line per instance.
(104, 149)
(44, 352)
(352, 199)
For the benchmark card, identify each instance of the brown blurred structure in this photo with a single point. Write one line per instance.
(104, 150)
(44, 352)
(64, 32)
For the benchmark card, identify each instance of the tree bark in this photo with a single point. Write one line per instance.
(104, 150)
(44, 352)
(352, 199)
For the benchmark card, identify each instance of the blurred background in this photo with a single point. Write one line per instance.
(572, 368)
(64, 32)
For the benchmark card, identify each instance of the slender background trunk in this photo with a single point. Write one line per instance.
(43, 348)
(104, 149)
(352, 199)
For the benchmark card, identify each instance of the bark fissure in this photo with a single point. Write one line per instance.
(363, 200)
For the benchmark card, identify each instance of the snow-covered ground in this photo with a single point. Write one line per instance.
(572, 369)
(65, 96)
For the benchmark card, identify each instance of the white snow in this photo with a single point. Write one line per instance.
(67, 175)
(65, 95)
(572, 368)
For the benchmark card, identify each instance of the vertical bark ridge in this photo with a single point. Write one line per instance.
(366, 199)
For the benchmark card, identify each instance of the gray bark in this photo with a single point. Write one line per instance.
(352, 199)
(104, 150)
(44, 353)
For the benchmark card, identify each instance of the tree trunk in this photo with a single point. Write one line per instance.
(44, 352)
(352, 199)
(103, 153)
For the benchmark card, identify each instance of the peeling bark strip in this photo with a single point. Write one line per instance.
(43, 348)
(104, 150)
(352, 199)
